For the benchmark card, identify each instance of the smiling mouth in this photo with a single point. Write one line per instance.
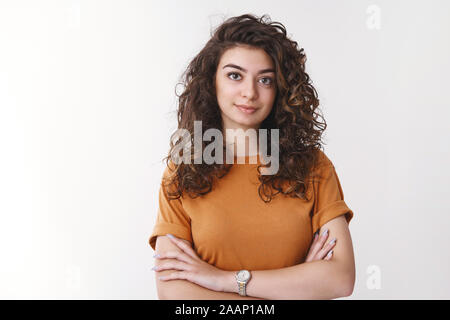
(246, 109)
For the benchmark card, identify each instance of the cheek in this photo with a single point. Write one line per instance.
(226, 93)
(230, 91)
(269, 96)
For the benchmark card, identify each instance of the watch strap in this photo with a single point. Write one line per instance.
(242, 286)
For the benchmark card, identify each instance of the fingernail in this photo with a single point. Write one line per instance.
(155, 268)
(170, 236)
(156, 256)
(325, 232)
(330, 253)
(333, 241)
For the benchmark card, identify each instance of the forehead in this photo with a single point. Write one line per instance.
(252, 59)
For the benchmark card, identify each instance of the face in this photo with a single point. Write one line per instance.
(245, 77)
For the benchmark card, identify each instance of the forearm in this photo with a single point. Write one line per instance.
(185, 290)
(311, 280)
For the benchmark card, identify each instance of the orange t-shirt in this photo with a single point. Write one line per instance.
(232, 228)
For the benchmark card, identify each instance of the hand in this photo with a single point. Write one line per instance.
(191, 267)
(319, 250)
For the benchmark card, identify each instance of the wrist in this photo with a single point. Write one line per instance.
(229, 283)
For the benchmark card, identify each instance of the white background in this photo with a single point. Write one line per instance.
(87, 107)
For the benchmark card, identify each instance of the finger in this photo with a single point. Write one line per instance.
(324, 236)
(183, 246)
(329, 255)
(326, 249)
(172, 265)
(313, 245)
(178, 255)
(314, 248)
(176, 275)
(316, 236)
(319, 243)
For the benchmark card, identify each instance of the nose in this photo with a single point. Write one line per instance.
(248, 89)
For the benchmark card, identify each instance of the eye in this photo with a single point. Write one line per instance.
(233, 73)
(268, 82)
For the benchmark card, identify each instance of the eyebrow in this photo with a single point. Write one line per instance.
(244, 70)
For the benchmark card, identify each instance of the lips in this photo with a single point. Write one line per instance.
(246, 109)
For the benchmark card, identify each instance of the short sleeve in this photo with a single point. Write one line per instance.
(171, 218)
(328, 198)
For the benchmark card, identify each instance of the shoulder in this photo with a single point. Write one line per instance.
(322, 159)
(321, 163)
(171, 170)
(169, 180)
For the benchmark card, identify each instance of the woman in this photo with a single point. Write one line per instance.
(233, 231)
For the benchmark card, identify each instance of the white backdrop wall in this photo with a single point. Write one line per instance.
(87, 107)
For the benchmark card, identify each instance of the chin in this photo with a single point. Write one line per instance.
(248, 124)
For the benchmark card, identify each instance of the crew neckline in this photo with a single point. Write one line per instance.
(246, 158)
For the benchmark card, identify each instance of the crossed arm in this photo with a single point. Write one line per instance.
(320, 279)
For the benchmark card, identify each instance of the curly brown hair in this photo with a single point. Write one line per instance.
(294, 113)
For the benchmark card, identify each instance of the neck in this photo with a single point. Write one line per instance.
(242, 144)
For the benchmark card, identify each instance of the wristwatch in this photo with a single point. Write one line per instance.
(242, 278)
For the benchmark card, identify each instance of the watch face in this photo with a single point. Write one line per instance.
(243, 275)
